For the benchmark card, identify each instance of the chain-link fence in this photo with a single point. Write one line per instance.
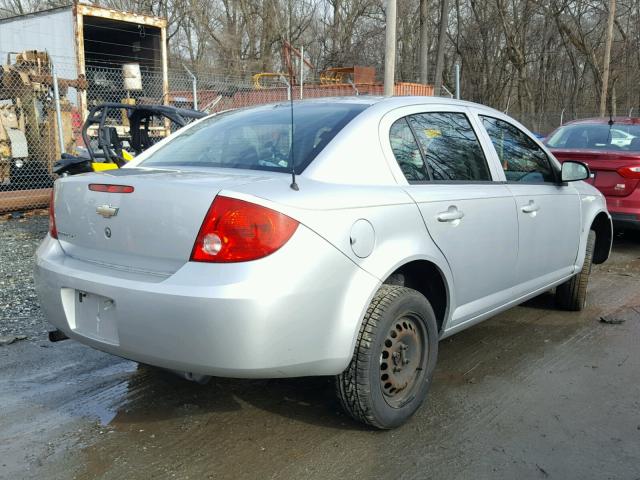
(37, 125)
(34, 123)
(543, 123)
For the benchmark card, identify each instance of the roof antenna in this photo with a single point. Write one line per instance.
(294, 185)
(611, 122)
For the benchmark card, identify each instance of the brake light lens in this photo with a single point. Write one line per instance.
(103, 187)
(238, 231)
(630, 172)
(53, 231)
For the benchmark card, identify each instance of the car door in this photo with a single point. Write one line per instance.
(548, 211)
(469, 216)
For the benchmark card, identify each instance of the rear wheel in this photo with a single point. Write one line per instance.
(392, 366)
(572, 294)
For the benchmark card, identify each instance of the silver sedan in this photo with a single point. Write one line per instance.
(337, 237)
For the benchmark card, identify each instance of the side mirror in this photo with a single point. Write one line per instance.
(574, 171)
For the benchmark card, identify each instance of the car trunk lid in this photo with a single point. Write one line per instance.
(605, 166)
(151, 229)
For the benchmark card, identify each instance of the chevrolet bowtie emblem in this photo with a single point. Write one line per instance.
(107, 211)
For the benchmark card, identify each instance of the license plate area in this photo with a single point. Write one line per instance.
(91, 315)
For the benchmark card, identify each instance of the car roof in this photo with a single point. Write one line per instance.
(605, 121)
(392, 102)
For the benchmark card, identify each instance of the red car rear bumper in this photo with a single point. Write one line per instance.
(625, 211)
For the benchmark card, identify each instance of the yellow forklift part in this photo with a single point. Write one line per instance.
(101, 166)
(265, 75)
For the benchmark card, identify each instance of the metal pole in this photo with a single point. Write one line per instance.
(301, 69)
(288, 84)
(194, 87)
(390, 49)
(607, 57)
(56, 101)
(457, 81)
(442, 35)
(562, 116)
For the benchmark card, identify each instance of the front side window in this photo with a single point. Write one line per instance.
(450, 147)
(521, 158)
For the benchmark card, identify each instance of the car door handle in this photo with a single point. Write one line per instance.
(531, 207)
(451, 215)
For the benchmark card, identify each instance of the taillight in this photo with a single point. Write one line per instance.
(238, 231)
(53, 231)
(630, 172)
(108, 188)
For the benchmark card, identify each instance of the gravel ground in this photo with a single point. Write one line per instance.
(19, 310)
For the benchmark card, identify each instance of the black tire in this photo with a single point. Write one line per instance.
(399, 332)
(572, 294)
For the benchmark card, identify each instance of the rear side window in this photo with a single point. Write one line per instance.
(449, 147)
(521, 158)
(258, 138)
(407, 153)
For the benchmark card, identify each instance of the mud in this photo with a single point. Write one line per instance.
(531, 393)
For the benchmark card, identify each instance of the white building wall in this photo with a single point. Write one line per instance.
(47, 31)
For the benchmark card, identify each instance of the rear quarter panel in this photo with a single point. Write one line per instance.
(400, 235)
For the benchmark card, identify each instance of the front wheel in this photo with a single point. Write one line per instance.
(392, 366)
(572, 294)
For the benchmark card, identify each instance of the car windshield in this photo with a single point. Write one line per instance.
(619, 137)
(259, 138)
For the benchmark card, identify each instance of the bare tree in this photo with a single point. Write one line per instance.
(534, 58)
(423, 63)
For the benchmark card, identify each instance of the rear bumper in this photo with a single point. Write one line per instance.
(294, 313)
(625, 211)
(625, 221)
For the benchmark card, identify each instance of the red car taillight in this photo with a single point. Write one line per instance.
(238, 231)
(630, 172)
(53, 231)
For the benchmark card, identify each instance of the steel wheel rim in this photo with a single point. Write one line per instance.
(401, 360)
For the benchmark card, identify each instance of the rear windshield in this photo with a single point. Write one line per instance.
(258, 139)
(617, 137)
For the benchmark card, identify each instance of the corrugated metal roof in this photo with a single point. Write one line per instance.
(33, 14)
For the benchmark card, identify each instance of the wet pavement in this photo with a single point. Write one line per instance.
(531, 393)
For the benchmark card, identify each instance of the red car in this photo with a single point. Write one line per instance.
(611, 149)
